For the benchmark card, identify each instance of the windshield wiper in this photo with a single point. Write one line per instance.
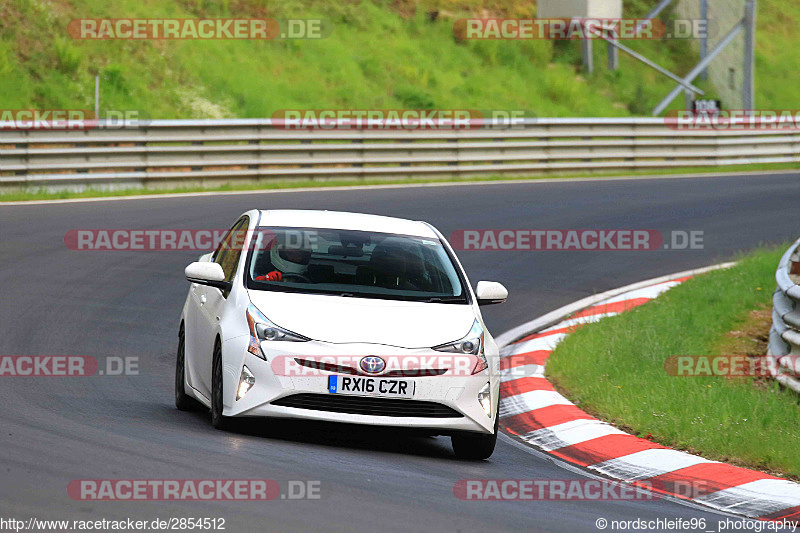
(445, 299)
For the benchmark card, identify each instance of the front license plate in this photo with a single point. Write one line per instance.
(362, 386)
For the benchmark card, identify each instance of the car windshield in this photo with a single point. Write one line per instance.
(353, 263)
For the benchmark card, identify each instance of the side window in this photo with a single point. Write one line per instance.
(230, 249)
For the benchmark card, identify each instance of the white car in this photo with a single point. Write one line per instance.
(342, 317)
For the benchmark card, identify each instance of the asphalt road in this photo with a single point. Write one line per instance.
(56, 301)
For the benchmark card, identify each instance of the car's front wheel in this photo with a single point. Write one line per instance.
(183, 401)
(475, 446)
(217, 419)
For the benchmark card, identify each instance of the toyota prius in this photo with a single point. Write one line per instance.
(342, 317)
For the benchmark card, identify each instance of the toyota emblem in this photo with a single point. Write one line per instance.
(372, 364)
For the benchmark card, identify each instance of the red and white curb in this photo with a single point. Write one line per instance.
(533, 412)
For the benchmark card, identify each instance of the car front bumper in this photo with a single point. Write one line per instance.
(457, 392)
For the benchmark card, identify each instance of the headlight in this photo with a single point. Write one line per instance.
(472, 344)
(261, 329)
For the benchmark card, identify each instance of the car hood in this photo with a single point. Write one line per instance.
(339, 319)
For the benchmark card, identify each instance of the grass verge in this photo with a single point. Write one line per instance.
(39, 195)
(614, 369)
(380, 55)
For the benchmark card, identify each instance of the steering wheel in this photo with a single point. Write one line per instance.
(298, 276)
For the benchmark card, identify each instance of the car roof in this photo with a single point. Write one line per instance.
(301, 218)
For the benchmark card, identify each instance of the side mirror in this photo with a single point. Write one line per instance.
(208, 273)
(490, 292)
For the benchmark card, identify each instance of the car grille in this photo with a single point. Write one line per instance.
(327, 367)
(361, 405)
(342, 369)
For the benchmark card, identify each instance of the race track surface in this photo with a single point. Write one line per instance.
(56, 301)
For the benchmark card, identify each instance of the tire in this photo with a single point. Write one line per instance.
(217, 419)
(475, 446)
(183, 401)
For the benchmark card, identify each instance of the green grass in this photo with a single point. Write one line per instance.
(33, 195)
(381, 54)
(615, 369)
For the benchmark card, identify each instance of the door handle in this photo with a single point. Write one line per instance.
(202, 299)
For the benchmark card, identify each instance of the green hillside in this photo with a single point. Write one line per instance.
(381, 54)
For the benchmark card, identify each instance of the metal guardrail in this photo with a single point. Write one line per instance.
(784, 336)
(190, 152)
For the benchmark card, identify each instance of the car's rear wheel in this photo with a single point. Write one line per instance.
(183, 401)
(217, 419)
(475, 446)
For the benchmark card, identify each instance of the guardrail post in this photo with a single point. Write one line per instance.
(748, 85)
(688, 100)
(704, 37)
(613, 52)
(97, 97)
(588, 54)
